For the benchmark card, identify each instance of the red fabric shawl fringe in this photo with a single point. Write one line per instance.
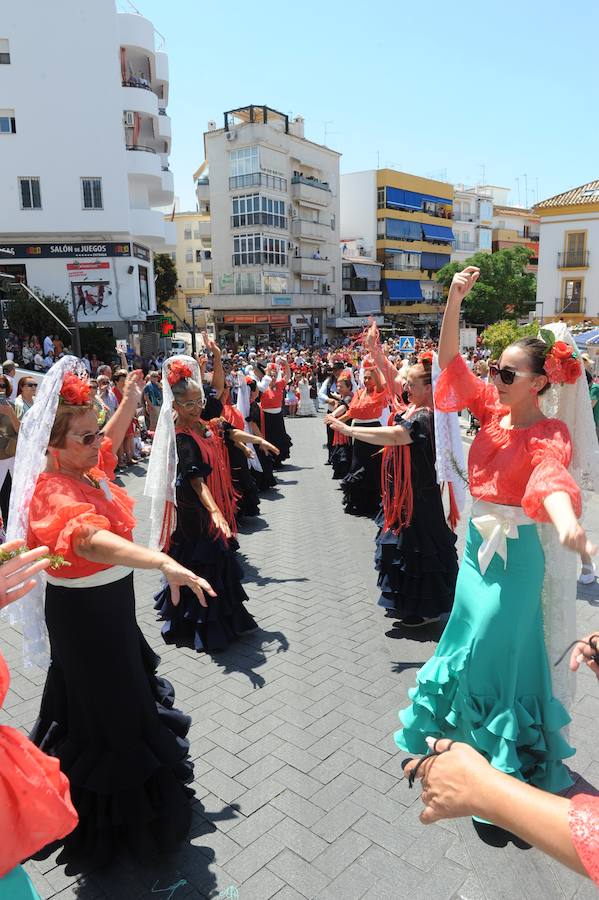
(219, 481)
(396, 485)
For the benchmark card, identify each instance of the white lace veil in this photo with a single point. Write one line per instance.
(34, 434)
(449, 449)
(243, 405)
(162, 468)
(571, 403)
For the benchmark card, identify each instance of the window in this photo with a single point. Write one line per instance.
(198, 256)
(91, 190)
(275, 284)
(189, 256)
(244, 161)
(248, 283)
(187, 233)
(144, 291)
(380, 198)
(485, 210)
(31, 197)
(484, 239)
(257, 249)
(7, 121)
(255, 179)
(252, 209)
(4, 52)
(174, 257)
(189, 280)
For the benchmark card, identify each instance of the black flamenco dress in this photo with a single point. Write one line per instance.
(418, 567)
(266, 478)
(341, 450)
(199, 547)
(273, 423)
(362, 484)
(242, 476)
(105, 714)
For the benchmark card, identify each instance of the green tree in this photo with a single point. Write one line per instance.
(505, 290)
(498, 336)
(165, 273)
(25, 316)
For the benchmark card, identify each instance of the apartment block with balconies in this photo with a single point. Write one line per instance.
(85, 152)
(472, 221)
(273, 198)
(568, 271)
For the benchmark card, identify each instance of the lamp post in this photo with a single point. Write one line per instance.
(195, 309)
(542, 305)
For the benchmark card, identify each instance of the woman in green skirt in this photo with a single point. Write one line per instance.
(489, 682)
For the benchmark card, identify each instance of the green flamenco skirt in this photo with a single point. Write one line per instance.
(16, 886)
(489, 683)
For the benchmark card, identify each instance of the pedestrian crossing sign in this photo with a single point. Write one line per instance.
(407, 344)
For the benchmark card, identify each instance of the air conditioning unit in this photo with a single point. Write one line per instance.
(231, 135)
(129, 119)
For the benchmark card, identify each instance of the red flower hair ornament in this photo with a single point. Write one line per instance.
(177, 371)
(562, 363)
(74, 391)
(426, 357)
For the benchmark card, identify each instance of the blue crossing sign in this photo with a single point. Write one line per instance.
(407, 344)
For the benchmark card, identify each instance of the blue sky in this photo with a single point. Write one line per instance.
(438, 89)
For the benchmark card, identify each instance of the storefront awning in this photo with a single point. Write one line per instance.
(365, 304)
(402, 289)
(437, 233)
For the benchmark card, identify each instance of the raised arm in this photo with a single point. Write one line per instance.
(117, 425)
(449, 341)
(218, 373)
(383, 363)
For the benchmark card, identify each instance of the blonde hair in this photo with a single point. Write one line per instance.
(65, 414)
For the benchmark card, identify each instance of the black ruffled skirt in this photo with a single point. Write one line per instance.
(112, 725)
(243, 483)
(362, 484)
(418, 567)
(276, 433)
(341, 455)
(266, 478)
(211, 628)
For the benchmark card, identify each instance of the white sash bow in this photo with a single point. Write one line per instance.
(496, 524)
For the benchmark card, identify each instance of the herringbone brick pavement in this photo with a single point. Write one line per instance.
(298, 782)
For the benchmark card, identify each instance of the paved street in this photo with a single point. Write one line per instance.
(298, 783)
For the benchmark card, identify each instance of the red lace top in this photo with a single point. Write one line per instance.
(583, 816)
(365, 405)
(272, 397)
(35, 805)
(514, 467)
(62, 505)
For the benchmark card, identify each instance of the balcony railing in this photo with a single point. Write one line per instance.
(438, 213)
(564, 305)
(243, 220)
(573, 259)
(311, 182)
(360, 285)
(274, 182)
(465, 216)
(141, 148)
(465, 245)
(137, 83)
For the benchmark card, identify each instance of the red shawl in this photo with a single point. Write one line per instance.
(219, 481)
(368, 406)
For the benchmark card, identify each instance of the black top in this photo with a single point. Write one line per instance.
(421, 429)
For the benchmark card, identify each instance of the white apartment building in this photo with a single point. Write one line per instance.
(273, 198)
(472, 221)
(84, 149)
(568, 273)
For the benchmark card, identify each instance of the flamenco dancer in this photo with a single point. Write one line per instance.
(362, 484)
(272, 388)
(249, 406)
(415, 548)
(193, 515)
(244, 484)
(489, 682)
(35, 804)
(341, 451)
(104, 715)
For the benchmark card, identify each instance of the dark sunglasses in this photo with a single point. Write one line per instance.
(592, 643)
(31, 384)
(507, 375)
(90, 438)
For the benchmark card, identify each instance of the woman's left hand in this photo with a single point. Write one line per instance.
(573, 536)
(452, 782)
(17, 574)
(269, 448)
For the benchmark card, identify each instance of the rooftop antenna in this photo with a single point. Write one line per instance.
(518, 189)
(483, 169)
(525, 176)
(537, 190)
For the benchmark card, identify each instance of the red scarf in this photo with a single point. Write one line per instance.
(219, 481)
(233, 416)
(396, 487)
(368, 406)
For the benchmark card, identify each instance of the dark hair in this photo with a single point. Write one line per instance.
(423, 370)
(588, 375)
(536, 351)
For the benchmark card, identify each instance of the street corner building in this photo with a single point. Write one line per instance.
(85, 140)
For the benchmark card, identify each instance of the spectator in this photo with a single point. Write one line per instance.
(27, 353)
(152, 400)
(58, 347)
(9, 429)
(125, 451)
(106, 394)
(49, 359)
(9, 369)
(26, 389)
(100, 408)
(48, 344)
(86, 362)
(38, 361)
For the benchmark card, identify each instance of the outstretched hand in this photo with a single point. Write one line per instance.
(463, 282)
(583, 652)
(17, 575)
(178, 576)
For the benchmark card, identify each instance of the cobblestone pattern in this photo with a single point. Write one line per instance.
(298, 783)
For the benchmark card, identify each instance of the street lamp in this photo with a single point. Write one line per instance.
(542, 305)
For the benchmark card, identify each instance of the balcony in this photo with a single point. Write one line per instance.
(139, 98)
(202, 229)
(144, 163)
(307, 265)
(465, 216)
(258, 179)
(149, 225)
(136, 31)
(310, 190)
(271, 302)
(564, 306)
(249, 220)
(311, 231)
(203, 190)
(162, 67)
(573, 259)
(164, 125)
(465, 245)
(206, 267)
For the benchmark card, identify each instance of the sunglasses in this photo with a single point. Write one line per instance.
(92, 437)
(508, 376)
(30, 384)
(190, 404)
